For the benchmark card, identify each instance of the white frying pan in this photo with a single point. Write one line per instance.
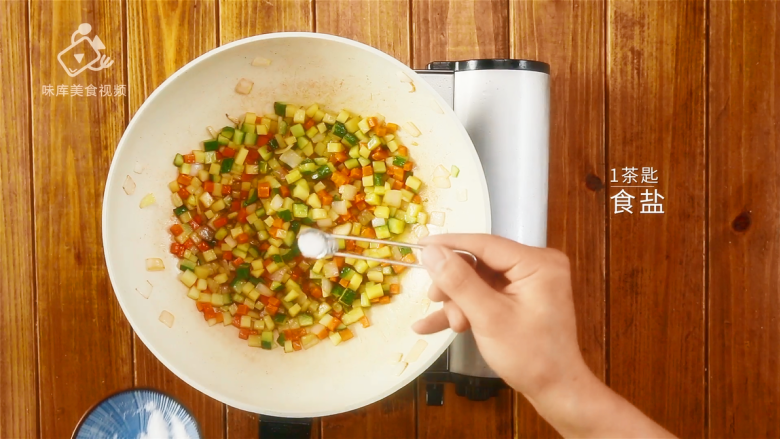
(305, 68)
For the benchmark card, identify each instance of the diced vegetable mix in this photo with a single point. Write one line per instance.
(241, 200)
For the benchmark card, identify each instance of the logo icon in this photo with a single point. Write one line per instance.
(83, 53)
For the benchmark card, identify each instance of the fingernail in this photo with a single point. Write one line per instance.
(433, 258)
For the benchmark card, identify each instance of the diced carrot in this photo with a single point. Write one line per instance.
(242, 310)
(274, 301)
(208, 312)
(208, 186)
(391, 128)
(238, 261)
(245, 178)
(368, 171)
(252, 157)
(408, 166)
(264, 300)
(236, 321)
(368, 232)
(346, 334)
(395, 288)
(309, 123)
(183, 193)
(374, 300)
(380, 131)
(285, 191)
(235, 206)
(339, 261)
(225, 190)
(398, 269)
(272, 309)
(184, 180)
(323, 334)
(417, 199)
(344, 283)
(177, 229)
(398, 173)
(341, 156)
(325, 198)
(243, 333)
(220, 317)
(278, 222)
(297, 345)
(220, 222)
(355, 173)
(198, 219)
(404, 151)
(201, 306)
(242, 238)
(334, 323)
(316, 292)
(264, 190)
(228, 256)
(364, 321)
(189, 158)
(228, 151)
(384, 299)
(372, 122)
(264, 139)
(380, 153)
(339, 179)
(265, 246)
(398, 185)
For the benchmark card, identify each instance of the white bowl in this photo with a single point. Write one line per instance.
(336, 73)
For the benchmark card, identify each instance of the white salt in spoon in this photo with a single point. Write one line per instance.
(316, 244)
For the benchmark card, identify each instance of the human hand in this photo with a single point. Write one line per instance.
(518, 304)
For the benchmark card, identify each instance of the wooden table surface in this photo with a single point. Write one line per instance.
(677, 311)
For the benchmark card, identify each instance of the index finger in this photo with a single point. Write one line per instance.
(499, 254)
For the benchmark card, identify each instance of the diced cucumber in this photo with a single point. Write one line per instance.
(267, 340)
(178, 160)
(396, 226)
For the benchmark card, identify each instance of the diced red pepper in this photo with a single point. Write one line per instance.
(309, 123)
(184, 193)
(264, 139)
(245, 178)
(228, 256)
(225, 190)
(177, 248)
(208, 186)
(272, 309)
(220, 222)
(189, 158)
(243, 333)
(236, 321)
(238, 261)
(188, 244)
(242, 238)
(264, 190)
(252, 157)
(285, 191)
(228, 152)
(203, 246)
(242, 310)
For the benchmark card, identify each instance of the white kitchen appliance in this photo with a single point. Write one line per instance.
(504, 104)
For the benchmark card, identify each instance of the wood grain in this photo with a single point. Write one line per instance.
(569, 35)
(84, 340)
(245, 18)
(241, 19)
(450, 30)
(383, 24)
(393, 417)
(656, 118)
(18, 376)
(744, 87)
(460, 418)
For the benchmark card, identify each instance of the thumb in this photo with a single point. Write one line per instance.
(461, 283)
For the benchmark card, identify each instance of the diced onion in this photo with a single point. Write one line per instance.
(327, 222)
(145, 292)
(421, 231)
(327, 287)
(435, 107)
(260, 61)
(441, 182)
(166, 318)
(392, 198)
(436, 218)
(277, 202)
(330, 269)
(396, 253)
(417, 349)
(244, 86)
(343, 229)
(195, 168)
(462, 195)
(340, 207)
(441, 171)
(147, 201)
(348, 192)
(291, 158)
(139, 168)
(394, 357)
(279, 274)
(412, 129)
(399, 368)
(264, 290)
(403, 77)
(212, 132)
(232, 119)
(365, 217)
(129, 186)
(154, 264)
(378, 222)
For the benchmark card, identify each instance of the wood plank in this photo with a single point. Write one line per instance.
(744, 253)
(241, 19)
(245, 18)
(18, 376)
(84, 340)
(369, 22)
(569, 35)
(656, 118)
(450, 30)
(183, 30)
(391, 418)
(460, 418)
(442, 31)
(394, 416)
